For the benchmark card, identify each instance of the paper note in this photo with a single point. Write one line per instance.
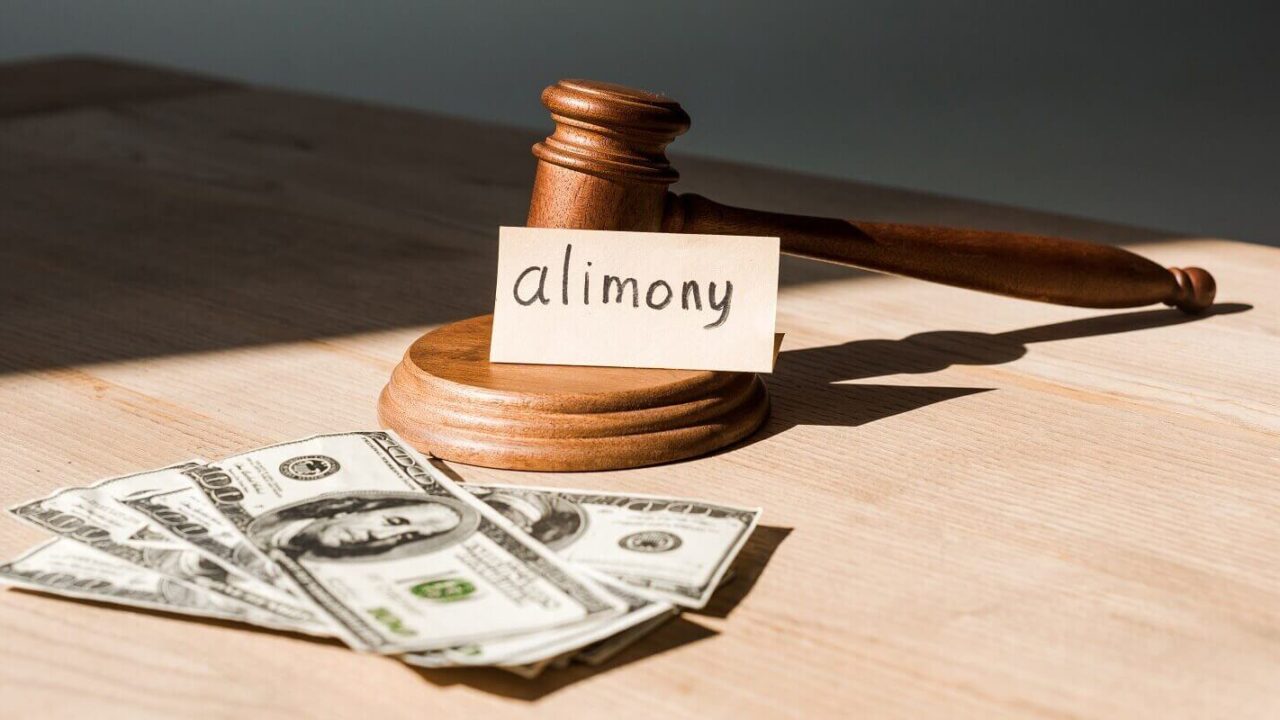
(635, 299)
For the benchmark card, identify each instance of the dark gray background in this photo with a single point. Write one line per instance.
(1161, 114)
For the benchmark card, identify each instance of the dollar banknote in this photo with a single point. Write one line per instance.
(398, 556)
(532, 648)
(72, 569)
(187, 514)
(671, 548)
(549, 516)
(95, 516)
(357, 536)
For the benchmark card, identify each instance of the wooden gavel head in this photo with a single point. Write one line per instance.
(605, 168)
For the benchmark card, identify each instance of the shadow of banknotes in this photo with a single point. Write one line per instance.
(753, 558)
(682, 630)
(674, 634)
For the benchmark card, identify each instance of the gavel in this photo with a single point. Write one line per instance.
(605, 168)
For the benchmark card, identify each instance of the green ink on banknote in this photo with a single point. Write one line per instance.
(444, 590)
(393, 623)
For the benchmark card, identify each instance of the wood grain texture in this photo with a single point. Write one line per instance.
(974, 507)
(447, 399)
(48, 85)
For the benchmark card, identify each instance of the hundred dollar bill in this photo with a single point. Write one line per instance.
(68, 568)
(531, 648)
(95, 517)
(186, 513)
(394, 552)
(640, 610)
(671, 548)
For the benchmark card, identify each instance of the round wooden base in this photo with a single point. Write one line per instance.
(445, 398)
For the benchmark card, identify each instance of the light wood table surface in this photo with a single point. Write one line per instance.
(974, 506)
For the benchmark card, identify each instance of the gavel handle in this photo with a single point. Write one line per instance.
(1032, 267)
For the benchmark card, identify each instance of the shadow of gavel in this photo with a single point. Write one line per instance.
(605, 168)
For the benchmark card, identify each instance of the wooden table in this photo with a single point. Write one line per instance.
(975, 507)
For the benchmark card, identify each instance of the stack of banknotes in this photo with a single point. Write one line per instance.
(357, 536)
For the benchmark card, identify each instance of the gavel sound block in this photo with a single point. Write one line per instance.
(605, 168)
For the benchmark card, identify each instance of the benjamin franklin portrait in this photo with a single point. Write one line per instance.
(554, 520)
(357, 526)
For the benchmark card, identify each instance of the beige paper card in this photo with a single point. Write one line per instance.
(634, 299)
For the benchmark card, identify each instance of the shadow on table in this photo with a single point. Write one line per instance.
(747, 569)
(673, 634)
(807, 389)
(151, 229)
